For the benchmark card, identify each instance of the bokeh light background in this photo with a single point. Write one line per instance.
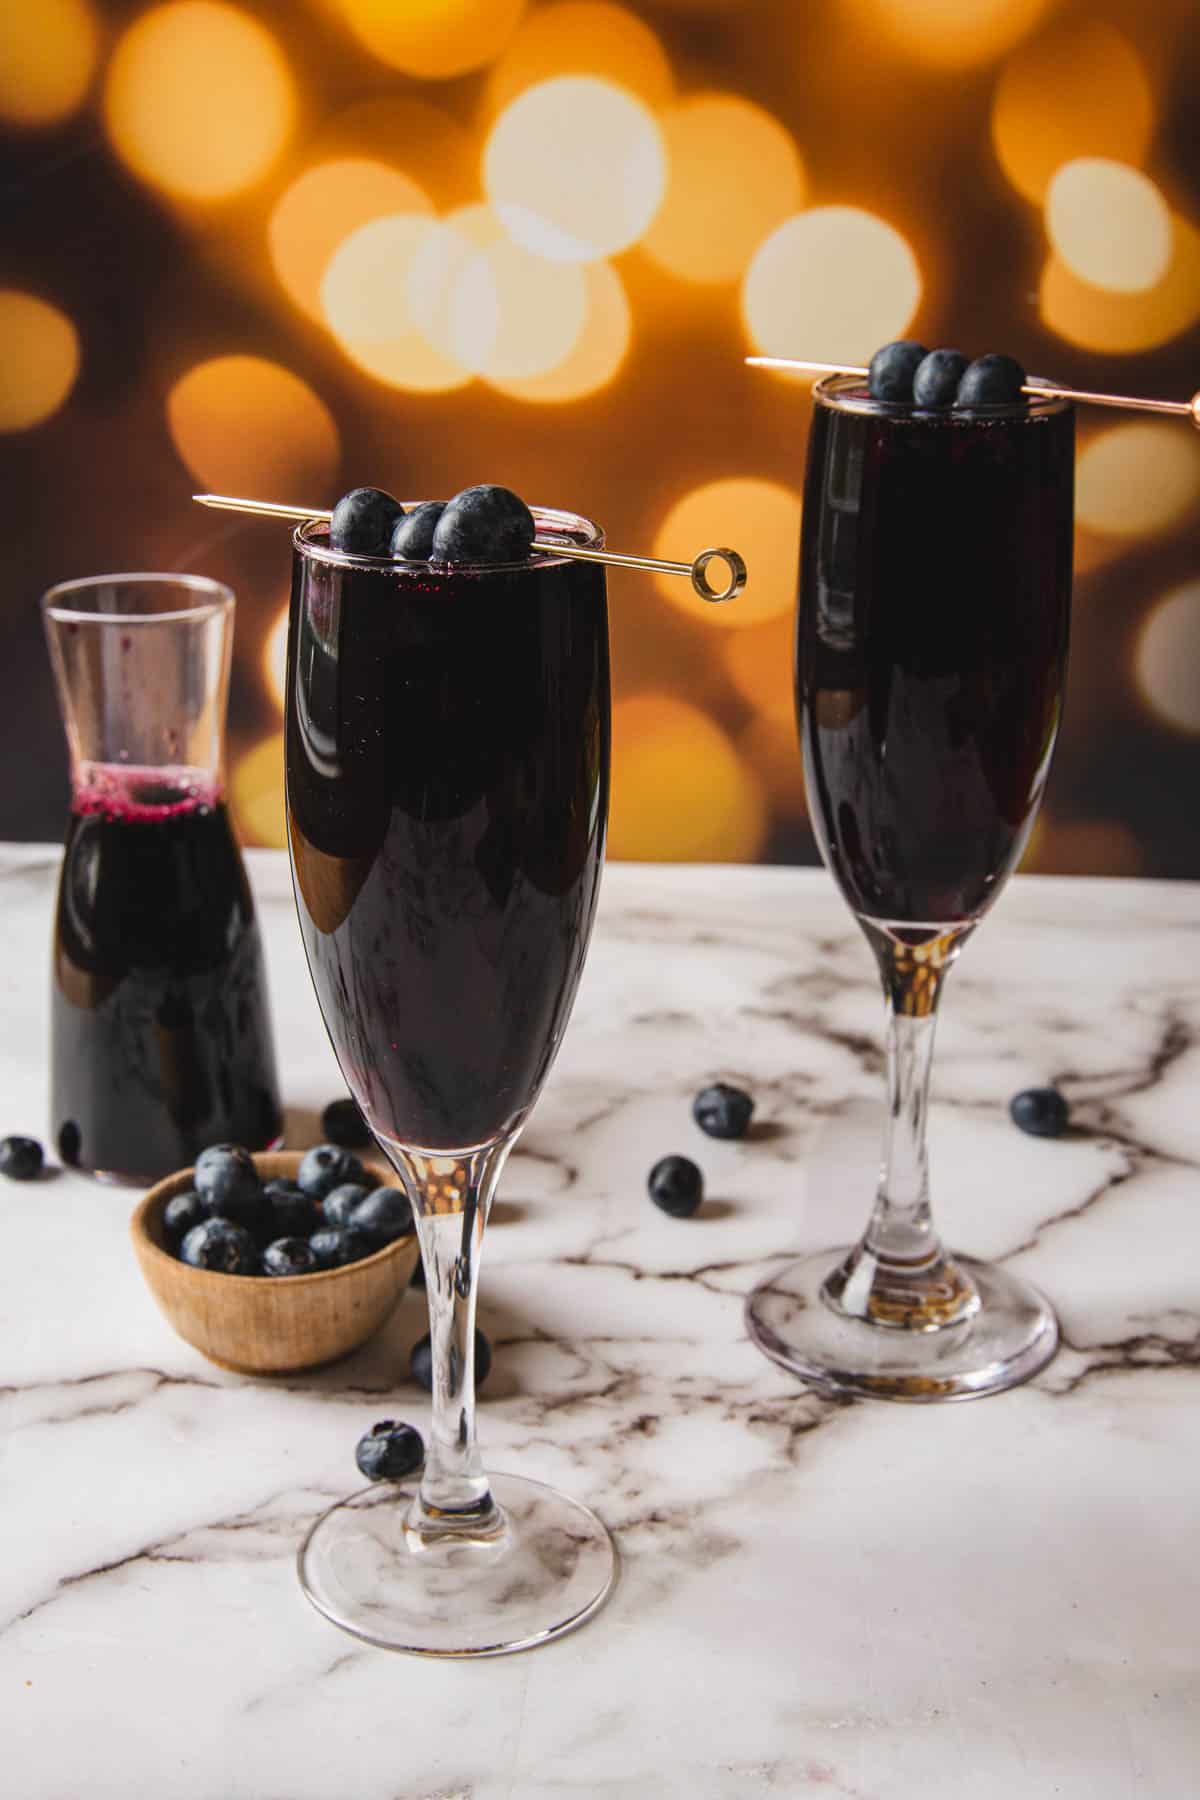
(285, 247)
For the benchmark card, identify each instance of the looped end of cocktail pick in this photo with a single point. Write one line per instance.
(1034, 384)
(696, 570)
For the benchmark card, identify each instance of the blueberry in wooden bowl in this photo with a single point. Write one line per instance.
(268, 1323)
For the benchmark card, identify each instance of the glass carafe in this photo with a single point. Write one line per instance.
(160, 1026)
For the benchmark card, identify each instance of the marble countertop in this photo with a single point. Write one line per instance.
(995, 1599)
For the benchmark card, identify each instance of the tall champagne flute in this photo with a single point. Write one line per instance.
(447, 742)
(931, 651)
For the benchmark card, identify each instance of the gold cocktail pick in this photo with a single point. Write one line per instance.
(1034, 384)
(696, 570)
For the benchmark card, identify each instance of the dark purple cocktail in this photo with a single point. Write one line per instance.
(931, 650)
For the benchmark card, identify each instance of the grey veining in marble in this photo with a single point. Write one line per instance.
(997, 1599)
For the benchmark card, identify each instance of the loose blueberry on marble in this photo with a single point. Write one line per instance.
(483, 525)
(412, 539)
(363, 521)
(181, 1212)
(20, 1158)
(384, 1214)
(891, 370)
(290, 1256)
(420, 1362)
(326, 1167)
(991, 380)
(723, 1111)
(219, 1245)
(341, 1201)
(1040, 1111)
(336, 1245)
(389, 1452)
(292, 1212)
(935, 383)
(676, 1185)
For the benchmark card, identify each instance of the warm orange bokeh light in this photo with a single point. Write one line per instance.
(256, 795)
(274, 658)
(1099, 319)
(575, 168)
(321, 208)
(364, 300)
(771, 748)
(1109, 225)
(759, 664)
(1082, 847)
(426, 141)
(1078, 89)
(759, 518)
(47, 55)
(680, 791)
(833, 283)
(1167, 660)
(490, 306)
(582, 37)
(1138, 478)
(734, 174)
(952, 34)
(40, 360)
(198, 99)
(433, 38)
(599, 350)
(247, 426)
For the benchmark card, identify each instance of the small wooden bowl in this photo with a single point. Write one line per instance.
(270, 1324)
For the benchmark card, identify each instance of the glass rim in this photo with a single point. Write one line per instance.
(832, 392)
(220, 599)
(572, 525)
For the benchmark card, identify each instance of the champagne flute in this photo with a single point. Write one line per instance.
(931, 652)
(447, 742)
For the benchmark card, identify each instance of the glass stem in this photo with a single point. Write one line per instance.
(451, 1196)
(899, 1275)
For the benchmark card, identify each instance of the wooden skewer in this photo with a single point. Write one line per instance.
(696, 570)
(1034, 384)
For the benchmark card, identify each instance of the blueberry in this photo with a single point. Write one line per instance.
(384, 1214)
(226, 1179)
(336, 1245)
(337, 1205)
(343, 1125)
(290, 1256)
(20, 1158)
(326, 1167)
(936, 381)
(1041, 1111)
(890, 376)
(181, 1212)
(676, 1185)
(412, 540)
(991, 381)
(389, 1452)
(723, 1111)
(420, 1361)
(483, 525)
(293, 1213)
(363, 521)
(218, 1244)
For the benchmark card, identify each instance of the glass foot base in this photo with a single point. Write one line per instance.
(1013, 1334)
(547, 1573)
